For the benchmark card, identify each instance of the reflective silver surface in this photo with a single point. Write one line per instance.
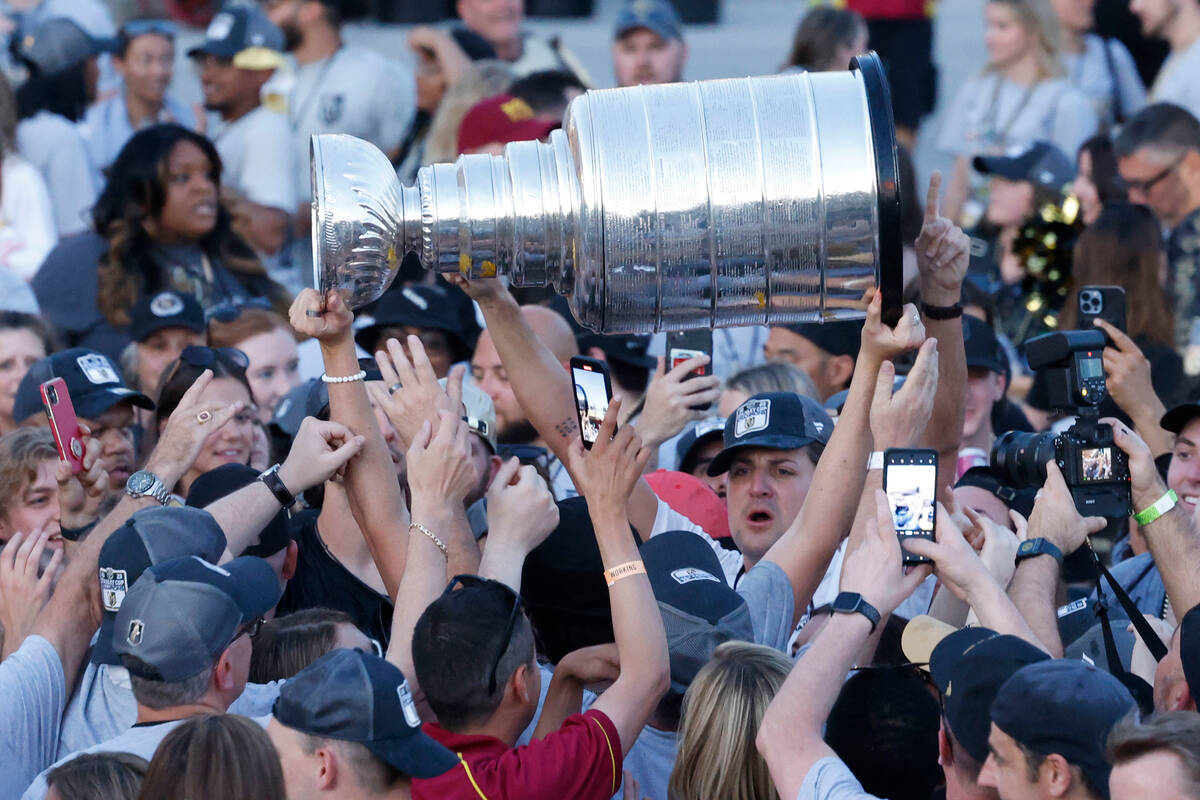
(731, 202)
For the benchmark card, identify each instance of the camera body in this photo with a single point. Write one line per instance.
(1094, 468)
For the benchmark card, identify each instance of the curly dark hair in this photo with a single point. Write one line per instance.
(133, 198)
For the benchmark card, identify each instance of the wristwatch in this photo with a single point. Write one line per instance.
(853, 603)
(145, 483)
(272, 481)
(1038, 547)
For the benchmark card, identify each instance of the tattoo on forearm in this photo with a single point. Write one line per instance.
(566, 428)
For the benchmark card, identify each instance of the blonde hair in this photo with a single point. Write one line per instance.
(484, 78)
(1038, 19)
(721, 713)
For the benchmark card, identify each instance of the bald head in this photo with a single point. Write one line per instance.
(552, 330)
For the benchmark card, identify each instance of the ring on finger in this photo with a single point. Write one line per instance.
(204, 416)
(395, 387)
(311, 313)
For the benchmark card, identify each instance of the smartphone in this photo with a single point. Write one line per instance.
(685, 345)
(593, 391)
(1102, 302)
(63, 423)
(910, 481)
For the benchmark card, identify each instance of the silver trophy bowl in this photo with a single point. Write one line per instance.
(754, 201)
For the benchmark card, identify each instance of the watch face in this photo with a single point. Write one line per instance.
(846, 601)
(139, 481)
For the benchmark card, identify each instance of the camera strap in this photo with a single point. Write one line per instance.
(1144, 631)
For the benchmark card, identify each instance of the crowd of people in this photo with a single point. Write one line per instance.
(300, 550)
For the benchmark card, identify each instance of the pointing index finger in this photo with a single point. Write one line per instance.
(931, 201)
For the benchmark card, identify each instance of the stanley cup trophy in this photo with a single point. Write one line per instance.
(752, 201)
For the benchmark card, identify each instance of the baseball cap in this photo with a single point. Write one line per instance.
(358, 697)
(1179, 416)
(59, 43)
(1065, 707)
(838, 337)
(501, 119)
(181, 614)
(1019, 500)
(693, 498)
(698, 433)
(480, 412)
(775, 420)
(418, 306)
(628, 348)
(1042, 164)
(227, 479)
(968, 667)
(1189, 649)
(310, 399)
(653, 15)
(169, 309)
(699, 609)
(244, 35)
(93, 381)
(982, 346)
(151, 536)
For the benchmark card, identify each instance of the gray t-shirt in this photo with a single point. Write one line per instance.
(55, 147)
(830, 779)
(1105, 72)
(650, 762)
(994, 116)
(1177, 80)
(33, 691)
(256, 159)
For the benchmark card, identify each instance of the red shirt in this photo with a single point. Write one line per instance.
(579, 761)
(890, 9)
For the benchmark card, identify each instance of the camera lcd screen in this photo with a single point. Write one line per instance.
(591, 397)
(911, 491)
(1091, 368)
(1096, 464)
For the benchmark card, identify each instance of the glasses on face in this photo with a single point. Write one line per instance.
(232, 309)
(200, 356)
(1145, 186)
(252, 628)
(471, 581)
(140, 27)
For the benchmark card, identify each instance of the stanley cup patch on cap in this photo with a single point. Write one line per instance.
(166, 305)
(114, 583)
(97, 369)
(686, 575)
(751, 416)
(136, 629)
(410, 708)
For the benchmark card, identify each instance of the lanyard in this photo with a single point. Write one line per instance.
(312, 93)
(991, 132)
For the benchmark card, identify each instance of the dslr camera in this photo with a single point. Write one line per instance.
(1095, 469)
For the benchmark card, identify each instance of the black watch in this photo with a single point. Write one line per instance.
(942, 312)
(271, 480)
(1038, 547)
(853, 603)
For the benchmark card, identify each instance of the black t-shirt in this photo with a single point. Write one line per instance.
(1166, 375)
(321, 581)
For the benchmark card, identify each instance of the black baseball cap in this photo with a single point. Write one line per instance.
(699, 609)
(93, 381)
(774, 420)
(627, 348)
(181, 614)
(421, 307)
(1189, 649)
(244, 35)
(696, 434)
(168, 309)
(151, 536)
(1043, 165)
(968, 667)
(227, 479)
(982, 347)
(658, 16)
(838, 337)
(1065, 707)
(58, 44)
(1019, 500)
(358, 697)
(1178, 417)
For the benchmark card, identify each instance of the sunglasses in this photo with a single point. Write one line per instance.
(473, 581)
(140, 27)
(204, 357)
(252, 629)
(232, 309)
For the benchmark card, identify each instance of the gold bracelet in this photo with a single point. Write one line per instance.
(624, 571)
(441, 545)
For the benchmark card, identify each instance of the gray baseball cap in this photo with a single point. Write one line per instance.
(359, 697)
(653, 15)
(182, 614)
(59, 44)
(149, 537)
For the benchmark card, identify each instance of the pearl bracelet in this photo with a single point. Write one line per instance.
(361, 375)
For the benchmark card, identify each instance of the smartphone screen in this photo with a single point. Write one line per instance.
(63, 423)
(592, 394)
(910, 481)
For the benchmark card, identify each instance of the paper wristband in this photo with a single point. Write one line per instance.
(624, 571)
(1160, 507)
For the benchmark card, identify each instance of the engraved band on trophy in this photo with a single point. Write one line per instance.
(751, 201)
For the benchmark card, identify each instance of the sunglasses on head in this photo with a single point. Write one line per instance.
(474, 581)
(232, 309)
(140, 27)
(204, 357)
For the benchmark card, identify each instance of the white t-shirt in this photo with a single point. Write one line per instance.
(256, 158)
(354, 91)
(54, 146)
(1178, 81)
(27, 231)
(1105, 77)
(994, 116)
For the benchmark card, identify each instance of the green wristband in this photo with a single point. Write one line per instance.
(1160, 507)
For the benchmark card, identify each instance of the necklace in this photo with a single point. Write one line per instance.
(992, 134)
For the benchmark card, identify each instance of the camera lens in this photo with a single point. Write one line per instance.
(1019, 459)
(52, 395)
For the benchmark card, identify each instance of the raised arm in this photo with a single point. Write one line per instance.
(521, 514)
(943, 255)
(790, 737)
(370, 479)
(1172, 537)
(605, 476)
(1127, 374)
